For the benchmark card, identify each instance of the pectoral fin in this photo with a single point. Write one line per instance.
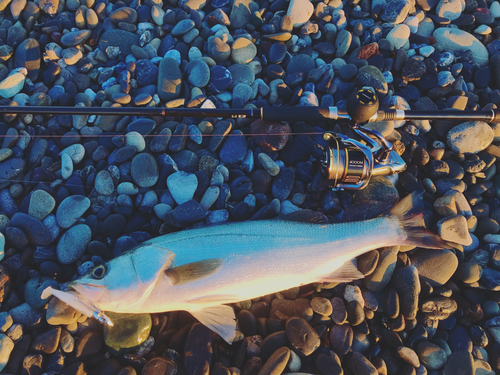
(346, 273)
(193, 271)
(220, 319)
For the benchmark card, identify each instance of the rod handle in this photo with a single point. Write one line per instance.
(496, 116)
(297, 113)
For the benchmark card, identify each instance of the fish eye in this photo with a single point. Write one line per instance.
(99, 271)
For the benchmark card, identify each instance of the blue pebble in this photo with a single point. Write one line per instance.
(56, 92)
(146, 73)
(195, 134)
(234, 149)
(174, 54)
(447, 58)
(108, 83)
(220, 78)
(7, 203)
(218, 216)
(247, 164)
(388, 76)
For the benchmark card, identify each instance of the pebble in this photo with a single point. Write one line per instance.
(431, 355)
(128, 331)
(300, 11)
(71, 209)
(454, 229)
(436, 267)
(456, 40)
(302, 336)
(182, 186)
(144, 170)
(470, 136)
(73, 243)
(6, 347)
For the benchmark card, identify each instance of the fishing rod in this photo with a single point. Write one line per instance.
(347, 163)
(283, 113)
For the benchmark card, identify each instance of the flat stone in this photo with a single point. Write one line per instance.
(300, 11)
(74, 38)
(28, 56)
(122, 39)
(41, 204)
(71, 209)
(470, 136)
(431, 355)
(386, 265)
(436, 266)
(144, 170)
(73, 243)
(302, 336)
(128, 331)
(182, 186)
(36, 231)
(456, 40)
(13, 83)
(454, 229)
(169, 79)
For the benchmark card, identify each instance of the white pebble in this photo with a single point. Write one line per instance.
(353, 293)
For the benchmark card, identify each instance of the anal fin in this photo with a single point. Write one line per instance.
(220, 319)
(346, 273)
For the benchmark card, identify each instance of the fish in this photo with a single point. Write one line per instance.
(204, 269)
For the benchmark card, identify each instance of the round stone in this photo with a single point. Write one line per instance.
(431, 355)
(457, 40)
(71, 209)
(198, 73)
(128, 331)
(103, 183)
(243, 51)
(470, 137)
(144, 170)
(41, 204)
(73, 243)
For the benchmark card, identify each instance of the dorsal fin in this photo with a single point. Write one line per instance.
(305, 216)
(193, 271)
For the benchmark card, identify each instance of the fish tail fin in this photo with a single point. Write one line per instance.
(409, 212)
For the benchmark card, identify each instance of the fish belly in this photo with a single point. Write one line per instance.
(263, 257)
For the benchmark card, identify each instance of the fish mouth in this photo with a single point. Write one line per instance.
(90, 292)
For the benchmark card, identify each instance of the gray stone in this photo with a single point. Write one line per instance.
(169, 79)
(73, 244)
(182, 186)
(457, 40)
(470, 136)
(71, 209)
(41, 204)
(118, 38)
(74, 38)
(198, 73)
(144, 170)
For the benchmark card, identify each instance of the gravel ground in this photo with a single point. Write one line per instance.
(76, 191)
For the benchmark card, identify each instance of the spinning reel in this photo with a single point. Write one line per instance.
(348, 163)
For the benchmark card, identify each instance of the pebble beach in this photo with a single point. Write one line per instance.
(79, 190)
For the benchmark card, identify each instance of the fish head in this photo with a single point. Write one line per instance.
(124, 282)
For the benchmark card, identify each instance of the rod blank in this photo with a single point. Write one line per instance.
(311, 114)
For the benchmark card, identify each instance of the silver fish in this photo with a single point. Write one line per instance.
(201, 270)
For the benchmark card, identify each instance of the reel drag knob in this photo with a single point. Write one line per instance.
(362, 105)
